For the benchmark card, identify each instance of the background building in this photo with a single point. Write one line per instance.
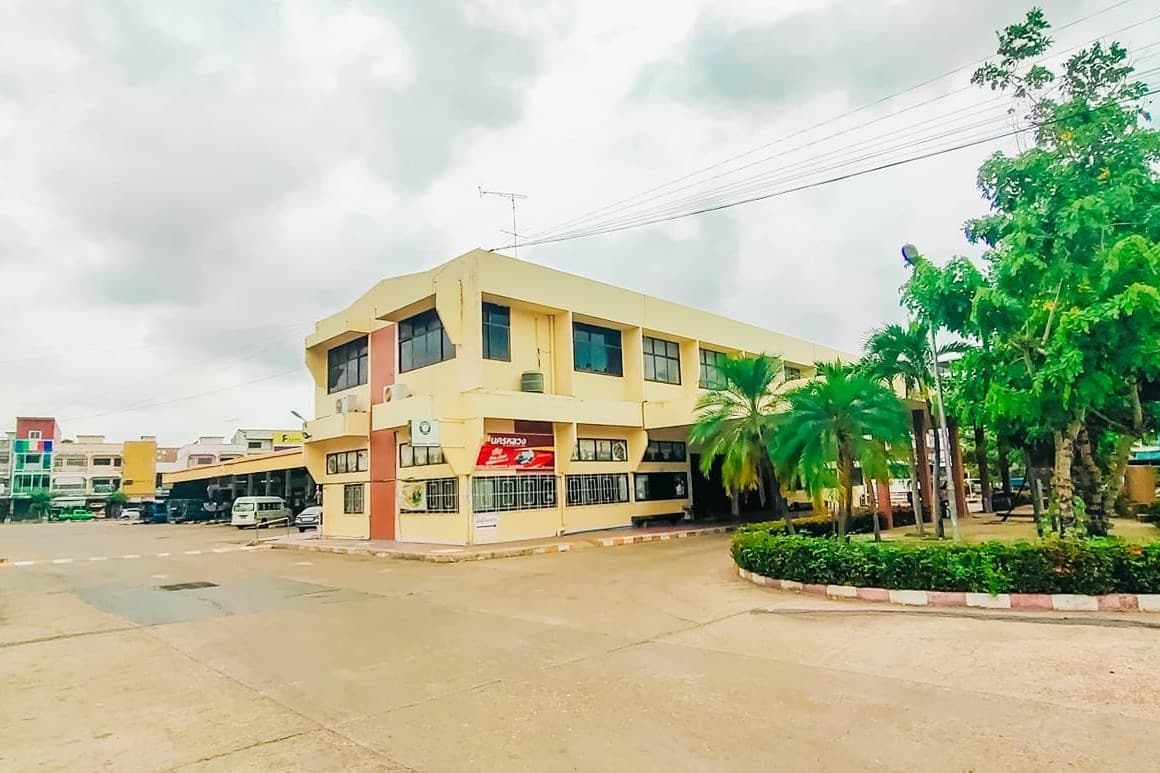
(491, 399)
(262, 441)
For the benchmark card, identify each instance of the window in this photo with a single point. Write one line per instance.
(193, 460)
(4, 457)
(598, 450)
(711, 362)
(512, 492)
(34, 434)
(116, 461)
(423, 341)
(652, 486)
(253, 444)
(604, 489)
(596, 349)
(419, 456)
(346, 365)
(102, 461)
(346, 461)
(352, 498)
(75, 461)
(662, 361)
(792, 373)
(664, 451)
(443, 495)
(497, 330)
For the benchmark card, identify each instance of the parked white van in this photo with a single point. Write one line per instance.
(259, 511)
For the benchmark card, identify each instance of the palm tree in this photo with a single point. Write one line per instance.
(114, 503)
(737, 422)
(897, 352)
(840, 419)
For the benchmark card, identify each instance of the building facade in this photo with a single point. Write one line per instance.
(263, 441)
(491, 400)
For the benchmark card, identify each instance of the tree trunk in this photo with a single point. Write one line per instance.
(1062, 487)
(1005, 464)
(845, 484)
(939, 526)
(1031, 483)
(916, 495)
(984, 472)
(734, 504)
(779, 506)
(1114, 482)
(874, 512)
(1091, 481)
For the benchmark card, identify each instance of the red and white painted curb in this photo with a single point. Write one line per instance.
(130, 556)
(449, 555)
(1041, 602)
(663, 536)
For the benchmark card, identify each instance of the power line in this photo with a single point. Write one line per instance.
(158, 403)
(807, 186)
(806, 168)
(848, 113)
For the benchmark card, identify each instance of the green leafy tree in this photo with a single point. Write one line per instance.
(1068, 309)
(736, 422)
(39, 502)
(115, 502)
(840, 419)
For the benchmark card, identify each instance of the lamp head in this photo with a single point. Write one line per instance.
(910, 254)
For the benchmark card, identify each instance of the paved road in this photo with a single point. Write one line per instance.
(641, 658)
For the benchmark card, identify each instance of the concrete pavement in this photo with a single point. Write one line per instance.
(650, 657)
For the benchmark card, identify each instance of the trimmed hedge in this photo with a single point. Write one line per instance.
(819, 525)
(1090, 567)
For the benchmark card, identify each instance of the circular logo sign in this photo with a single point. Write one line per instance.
(425, 428)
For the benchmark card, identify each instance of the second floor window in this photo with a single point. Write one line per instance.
(596, 349)
(662, 361)
(497, 332)
(346, 365)
(710, 369)
(419, 456)
(346, 461)
(792, 372)
(423, 341)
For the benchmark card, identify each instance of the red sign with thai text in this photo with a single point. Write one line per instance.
(508, 451)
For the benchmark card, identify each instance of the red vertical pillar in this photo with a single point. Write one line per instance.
(957, 467)
(382, 449)
(884, 507)
(922, 461)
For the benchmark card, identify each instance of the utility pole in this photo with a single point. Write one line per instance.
(512, 198)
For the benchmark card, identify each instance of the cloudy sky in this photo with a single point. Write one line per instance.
(187, 186)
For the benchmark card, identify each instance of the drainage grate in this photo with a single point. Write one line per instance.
(188, 585)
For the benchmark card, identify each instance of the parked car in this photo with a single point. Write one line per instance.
(309, 518)
(76, 514)
(130, 514)
(259, 511)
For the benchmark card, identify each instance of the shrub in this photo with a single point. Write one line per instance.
(819, 525)
(1091, 567)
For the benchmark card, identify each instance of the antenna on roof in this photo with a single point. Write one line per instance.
(512, 198)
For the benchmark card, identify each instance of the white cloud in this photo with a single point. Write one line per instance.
(187, 187)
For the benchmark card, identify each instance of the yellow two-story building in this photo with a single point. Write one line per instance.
(490, 400)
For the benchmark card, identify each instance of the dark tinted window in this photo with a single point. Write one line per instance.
(596, 349)
(423, 341)
(346, 365)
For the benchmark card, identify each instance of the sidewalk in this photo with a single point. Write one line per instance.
(444, 554)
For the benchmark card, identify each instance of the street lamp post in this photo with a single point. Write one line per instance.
(911, 255)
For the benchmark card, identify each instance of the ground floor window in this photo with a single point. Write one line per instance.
(352, 498)
(443, 495)
(512, 492)
(661, 485)
(600, 489)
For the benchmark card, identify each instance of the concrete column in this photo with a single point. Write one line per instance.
(269, 479)
(956, 467)
(922, 461)
(286, 487)
(249, 484)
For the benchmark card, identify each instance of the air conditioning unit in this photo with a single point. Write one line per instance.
(346, 404)
(395, 392)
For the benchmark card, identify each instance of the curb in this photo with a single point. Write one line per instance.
(608, 542)
(432, 558)
(1031, 602)
(484, 555)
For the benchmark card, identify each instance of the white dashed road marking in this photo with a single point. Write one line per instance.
(219, 550)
